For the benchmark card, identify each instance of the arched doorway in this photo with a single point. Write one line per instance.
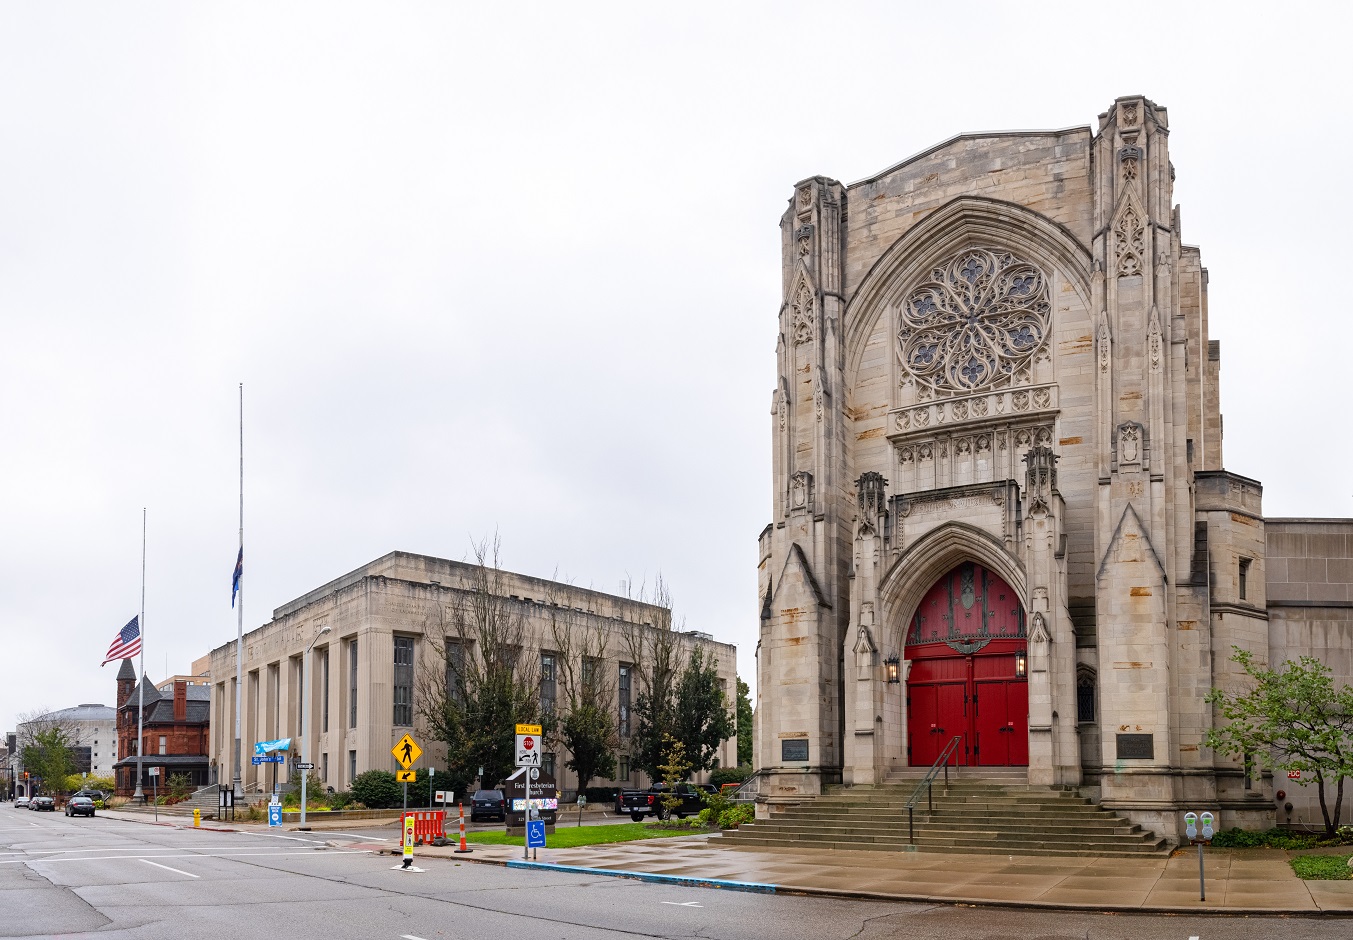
(968, 676)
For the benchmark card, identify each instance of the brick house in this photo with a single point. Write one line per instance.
(174, 731)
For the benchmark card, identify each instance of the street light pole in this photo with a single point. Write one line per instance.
(305, 730)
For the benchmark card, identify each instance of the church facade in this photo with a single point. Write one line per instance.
(1002, 528)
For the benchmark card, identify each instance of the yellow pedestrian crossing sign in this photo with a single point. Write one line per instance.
(406, 751)
(406, 776)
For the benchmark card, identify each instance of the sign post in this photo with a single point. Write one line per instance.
(528, 755)
(155, 790)
(406, 751)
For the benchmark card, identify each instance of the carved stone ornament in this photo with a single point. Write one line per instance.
(1104, 349)
(801, 319)
(975, 321)
(1154, 343)
(1129, 241)
(817, 397)
(966, 647)
(1129, 116)
(1038, 630)
(1129, 443)
(800, 489)
(805, 196)
(805, 237)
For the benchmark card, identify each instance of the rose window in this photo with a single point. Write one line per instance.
(974, 321)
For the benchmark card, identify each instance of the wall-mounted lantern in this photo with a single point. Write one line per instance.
(892, 669)
(1021, 664)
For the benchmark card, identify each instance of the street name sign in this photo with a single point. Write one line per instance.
(305, 766)
(406, 751)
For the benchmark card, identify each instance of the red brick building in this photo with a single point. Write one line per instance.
(174, 732)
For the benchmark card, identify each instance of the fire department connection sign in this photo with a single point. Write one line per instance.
(528, 745)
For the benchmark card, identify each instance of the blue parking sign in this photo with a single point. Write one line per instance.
(535, 834)
(275, 818)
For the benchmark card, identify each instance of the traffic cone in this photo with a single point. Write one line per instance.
(463, 846)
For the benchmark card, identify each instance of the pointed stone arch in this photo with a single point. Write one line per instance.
(930, 558)
(964, 222)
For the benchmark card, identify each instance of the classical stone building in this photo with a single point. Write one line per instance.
(1001, 516)
(367, 668)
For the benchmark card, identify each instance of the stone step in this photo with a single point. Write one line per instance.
(1110, 827)
(1041, 851)
(956, 842)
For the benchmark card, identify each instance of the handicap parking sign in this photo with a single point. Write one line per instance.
(535, 834)
(275, 815)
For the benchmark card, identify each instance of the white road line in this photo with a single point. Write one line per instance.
(167, 868)
(225, 855)
(356, 836)
(409, 936)
(695, 904)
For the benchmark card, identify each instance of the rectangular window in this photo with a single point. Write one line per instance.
(324, 690)
(455, 672)
(1244, 576)
(624, 767)
(352, 767)
(547, 685)
(547, 765)
(403, 681)
(624, 694)
(163, 749)
(590, 665)
(352, 686)
(1085, 698)
(324, 766)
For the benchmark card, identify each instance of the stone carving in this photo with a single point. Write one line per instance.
(817, 397)
(1129, 443)
(960, 409)
(1154, 344)
(966, 647)
(1000, 440)
(870, 489)
(801, 322)
(1129, 241)
(1043, 437)
(1020, 401)
(1023, 438)
(963, 446)
(1102, 342)
(805, 237)
(978, 407)
(1129, 157)
(1130, 115)
(902, 421)
(983, 444)
(906, 455)
(975, 321)
(921, 416)
(924, 452)
(800, 489)
(1042, 397)
(805, 196)
(1038, 630)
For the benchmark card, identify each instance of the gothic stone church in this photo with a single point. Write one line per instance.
(1001, 513)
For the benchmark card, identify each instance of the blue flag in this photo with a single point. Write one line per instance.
(239, 573)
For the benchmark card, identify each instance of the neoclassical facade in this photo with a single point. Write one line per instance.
(1001, 517)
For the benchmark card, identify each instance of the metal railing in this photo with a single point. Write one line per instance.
(928, 782)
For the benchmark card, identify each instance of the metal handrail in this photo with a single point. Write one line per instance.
(928, 781)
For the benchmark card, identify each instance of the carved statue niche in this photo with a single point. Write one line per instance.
(872, 499)
(866, 654)
(1129, 447)
(801, 491)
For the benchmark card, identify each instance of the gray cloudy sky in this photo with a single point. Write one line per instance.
(514, 267)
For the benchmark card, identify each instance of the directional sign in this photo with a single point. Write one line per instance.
(528, 750)
(271, 759)
(305, 766)
(406, 776)
(535, 834)
(406, 751)
(529, 729)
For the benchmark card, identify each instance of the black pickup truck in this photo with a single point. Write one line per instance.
(641, 803)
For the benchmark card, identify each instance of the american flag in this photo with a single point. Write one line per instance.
(127, 643)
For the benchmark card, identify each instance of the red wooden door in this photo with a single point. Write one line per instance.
(937, 710)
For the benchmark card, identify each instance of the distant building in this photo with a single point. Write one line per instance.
(175, 730)
(93, 734)
(365, 669)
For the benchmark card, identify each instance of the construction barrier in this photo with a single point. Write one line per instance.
(428, 825)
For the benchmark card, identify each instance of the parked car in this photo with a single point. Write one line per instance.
(80, 806)
(43, 804)
(21, 802)
(92, 794)
(641, 803)
(488, 804)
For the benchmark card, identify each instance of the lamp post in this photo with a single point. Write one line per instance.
(305, 682)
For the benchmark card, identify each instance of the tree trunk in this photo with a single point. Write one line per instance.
(1324, 807)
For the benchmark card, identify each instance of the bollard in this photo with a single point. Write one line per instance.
(463, 846)
(197, 818)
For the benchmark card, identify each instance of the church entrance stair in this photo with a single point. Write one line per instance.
(994, 814)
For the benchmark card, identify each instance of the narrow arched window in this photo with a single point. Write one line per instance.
(1085, 695)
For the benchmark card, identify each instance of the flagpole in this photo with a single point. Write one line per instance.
(239, 622)
(140, 796)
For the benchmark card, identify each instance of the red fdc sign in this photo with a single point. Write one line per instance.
(1294, 775)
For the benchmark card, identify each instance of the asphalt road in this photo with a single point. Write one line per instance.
(75, 877)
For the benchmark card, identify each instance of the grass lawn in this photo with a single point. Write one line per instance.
(569, 837)
(1322, 867)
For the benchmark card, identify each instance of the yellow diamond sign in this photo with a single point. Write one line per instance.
(406, 751)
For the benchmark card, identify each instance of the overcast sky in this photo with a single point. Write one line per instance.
(515, 268)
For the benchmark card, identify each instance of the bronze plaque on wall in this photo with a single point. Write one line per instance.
(1136, 747)
(794, 749)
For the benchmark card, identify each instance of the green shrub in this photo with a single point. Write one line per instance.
(723, 775)
(378, 789)
(340, 799)
(1322, 867)
(98, 804)
(739, 814)
(1271, 838)
(705, 815)
(717, 803)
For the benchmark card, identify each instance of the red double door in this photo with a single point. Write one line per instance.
(977, 698)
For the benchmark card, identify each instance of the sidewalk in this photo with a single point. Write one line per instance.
(1252, 881)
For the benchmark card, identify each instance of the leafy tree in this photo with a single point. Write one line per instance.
(702, 720)
(477, 686)
(675, 768)
(1296, 718)
(656, 659)
(588, 727)
(377, 789)
(47, 754)
(744, 724)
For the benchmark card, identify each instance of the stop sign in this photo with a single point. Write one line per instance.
(527, 743)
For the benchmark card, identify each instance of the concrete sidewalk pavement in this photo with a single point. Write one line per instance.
(1254, 881)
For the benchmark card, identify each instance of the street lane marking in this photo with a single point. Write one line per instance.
(224, 855)
(409, 936)
(167, 868)
(695, 904)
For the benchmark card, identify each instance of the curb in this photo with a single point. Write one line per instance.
(682, 880)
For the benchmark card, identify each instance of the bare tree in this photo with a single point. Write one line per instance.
(479, 684)
(46, 742)
(588, 725)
